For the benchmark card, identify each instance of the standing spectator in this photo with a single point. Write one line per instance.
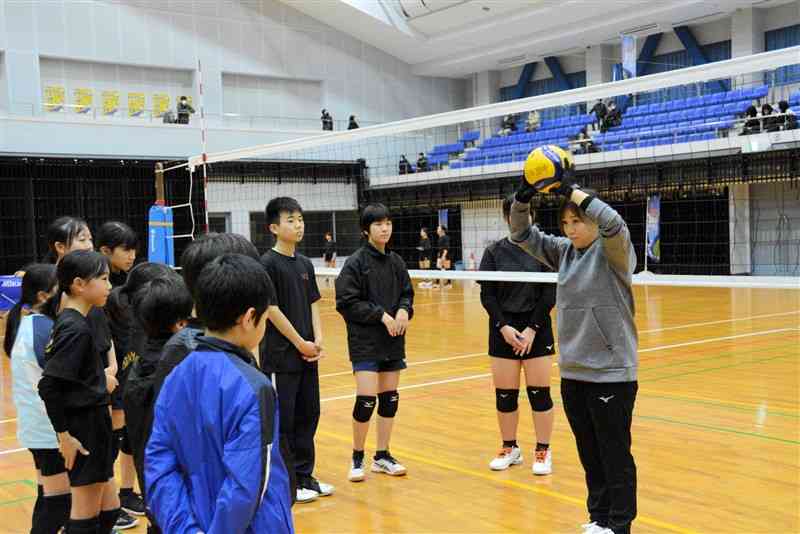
(613, 118)
(789, 118)
(353, 124)
(752, 124)
(444, 258)
(327, 121)
(405, 165)
(600, 110)
(184, 110)
(422, 162)
(770, 122)
(534, 121)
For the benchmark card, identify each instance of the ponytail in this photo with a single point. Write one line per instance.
(12, 325)
(38, 277)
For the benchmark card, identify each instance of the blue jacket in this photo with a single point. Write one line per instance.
(211, 462)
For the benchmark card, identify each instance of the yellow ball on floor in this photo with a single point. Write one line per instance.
(545, 167)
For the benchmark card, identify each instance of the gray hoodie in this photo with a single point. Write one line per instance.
(597, 336)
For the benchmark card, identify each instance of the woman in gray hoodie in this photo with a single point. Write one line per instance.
(597, 338)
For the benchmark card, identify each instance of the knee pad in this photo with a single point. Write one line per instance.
(362, 411)
(506, 400)
(539, 398)
(123, 442)
(387, 403)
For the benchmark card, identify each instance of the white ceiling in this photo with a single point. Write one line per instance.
(455, 38)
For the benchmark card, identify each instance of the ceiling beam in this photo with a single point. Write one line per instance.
(554, 65)
(691, 45)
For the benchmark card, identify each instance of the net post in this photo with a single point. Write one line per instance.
(160, 195)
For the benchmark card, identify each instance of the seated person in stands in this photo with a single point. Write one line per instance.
(509, 125)
(584, 144)
(613, 118)
(534, 121)
(769, 121)
(405, 165)
(752, 124)
(789, 119)
(422, 162)
(184, 110)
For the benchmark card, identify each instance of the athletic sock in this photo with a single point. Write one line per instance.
(107, 520)
(542, 446)
(509, 443)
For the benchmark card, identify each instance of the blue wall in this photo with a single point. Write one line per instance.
(546, 86)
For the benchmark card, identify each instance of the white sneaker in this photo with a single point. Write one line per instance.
(322, 489)
(389, 465)
(543, 463)
(327, 489)
(506, 457)
(306, 495)
(594, 528)
(356, 471)
(425, 285)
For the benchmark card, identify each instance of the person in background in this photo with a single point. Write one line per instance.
(352, 125)
(422, 162)
(405, 166)
(327, 121)
(184, 110)
(534, 121)
(752, 124)
(789, 118)
(600, 110)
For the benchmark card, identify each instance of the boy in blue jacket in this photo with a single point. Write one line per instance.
(212, 460)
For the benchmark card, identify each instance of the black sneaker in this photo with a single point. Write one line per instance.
(125, 521)
(131, 502)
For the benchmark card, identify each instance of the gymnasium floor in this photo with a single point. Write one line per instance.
(716, 428)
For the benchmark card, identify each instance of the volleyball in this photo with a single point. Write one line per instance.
(545, 167)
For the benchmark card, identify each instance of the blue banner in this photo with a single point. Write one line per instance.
(10, 291)
(654, 227)
(629, 56)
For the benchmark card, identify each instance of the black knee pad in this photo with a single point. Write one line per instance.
(506, 400)
(387, 403)
(123, 442)
(362, 411)
(539, 398)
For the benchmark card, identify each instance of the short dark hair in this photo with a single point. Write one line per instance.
(507, 202)
(229, 286)
(201, 251)
(443, 227)
(115, 234)
(569, 206)
(373, 213)
(85, 264)
(161, 303)
(120, 298)
(279, 205)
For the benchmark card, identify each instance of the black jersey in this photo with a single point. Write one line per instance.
(512, 298)
(330, 250)
(424, 249)
(101, 332)
(74, 376)
(117, 279)
(444, 244)
(296, 290)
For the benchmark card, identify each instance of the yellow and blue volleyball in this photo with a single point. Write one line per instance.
(545, 167)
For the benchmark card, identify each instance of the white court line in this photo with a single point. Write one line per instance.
(721, 321)
(8, 421)
(485, 375)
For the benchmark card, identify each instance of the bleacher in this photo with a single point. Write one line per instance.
(517, 145)
(682, 120)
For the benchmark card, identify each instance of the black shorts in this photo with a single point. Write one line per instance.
(92, 427)
(116, 399)
(49, 462)
(543, 342)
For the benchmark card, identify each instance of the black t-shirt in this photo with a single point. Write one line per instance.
(295, 290)
(330, 249)
(424, 249)
(444, 244)
(117, 278)
(72, 358)
(101, 332)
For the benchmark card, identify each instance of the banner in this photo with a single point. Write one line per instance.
(83, 99)
(110, 102)
(654, 227)
(54, 98)
(10, 291)
(160, 104)
(629, 56)
(135, 104)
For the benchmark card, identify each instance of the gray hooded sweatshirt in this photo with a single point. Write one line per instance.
(597, 336)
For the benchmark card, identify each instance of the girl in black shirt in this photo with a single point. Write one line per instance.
(74, 388)
(520, 336)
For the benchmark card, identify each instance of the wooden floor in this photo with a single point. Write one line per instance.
(716, 427)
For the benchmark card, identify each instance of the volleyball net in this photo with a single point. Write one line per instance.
(703, 164)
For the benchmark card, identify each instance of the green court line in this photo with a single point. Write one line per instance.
(718, 429)
(17, 501)
(708, 369)
(21, 481)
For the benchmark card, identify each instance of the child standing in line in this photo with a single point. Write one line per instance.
(287, 353)
(75, 389)
(598, 341)
(27, 333)
(375, 297)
